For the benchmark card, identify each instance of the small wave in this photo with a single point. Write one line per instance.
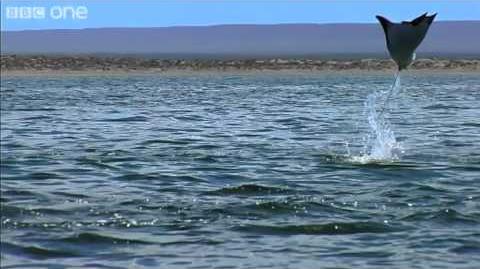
(18, 192)
(34, 109)
(37, 118)
(249, 189)
(48, 211)
(13, 146)
(36, 251)
(455, 143)
(95, 238)
(9, 211)
(128, 119)
(290, 206)
(206, 147)
(96, 162)
(365, 254)
(135, 177)
(44, 176)
(71, 195)
(447, 216)
(119, 96)
(471, 124)
(165, 141)
(429, 188)
(276, 207)
(319, 229)
(157, 177)
(294, 206)
(467, 248)
(443, 106)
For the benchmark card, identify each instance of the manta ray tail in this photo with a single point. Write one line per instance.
(394, 85)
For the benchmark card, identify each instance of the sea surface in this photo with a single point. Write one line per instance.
(266, 170)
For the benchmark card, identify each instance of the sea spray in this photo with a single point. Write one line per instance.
(380, 143)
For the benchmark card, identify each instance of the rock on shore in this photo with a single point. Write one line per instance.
(93, 63)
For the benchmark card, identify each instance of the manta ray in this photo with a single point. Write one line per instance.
(403, 38)
(402, 41)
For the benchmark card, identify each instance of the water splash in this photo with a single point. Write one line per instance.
(380, 144)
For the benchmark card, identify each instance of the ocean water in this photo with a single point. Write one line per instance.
(274, 170)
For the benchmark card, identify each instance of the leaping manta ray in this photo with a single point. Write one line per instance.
(402, 40)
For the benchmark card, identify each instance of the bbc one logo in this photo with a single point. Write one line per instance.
(53, 12)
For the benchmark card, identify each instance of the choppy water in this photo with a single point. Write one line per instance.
(240, 171)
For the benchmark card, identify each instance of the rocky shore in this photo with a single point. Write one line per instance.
(22, 63)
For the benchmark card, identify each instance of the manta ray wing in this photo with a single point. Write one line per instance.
(431, 18)
(418, 20)
(385, 25)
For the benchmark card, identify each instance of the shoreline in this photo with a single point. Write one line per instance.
(120, 73)
(15, 65)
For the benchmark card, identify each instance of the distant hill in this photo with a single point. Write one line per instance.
(457, 38)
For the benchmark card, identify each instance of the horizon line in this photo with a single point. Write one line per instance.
(219, 25)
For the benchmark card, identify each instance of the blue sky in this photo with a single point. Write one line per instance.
(131, 13)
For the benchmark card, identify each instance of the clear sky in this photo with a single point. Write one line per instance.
(138, 13)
